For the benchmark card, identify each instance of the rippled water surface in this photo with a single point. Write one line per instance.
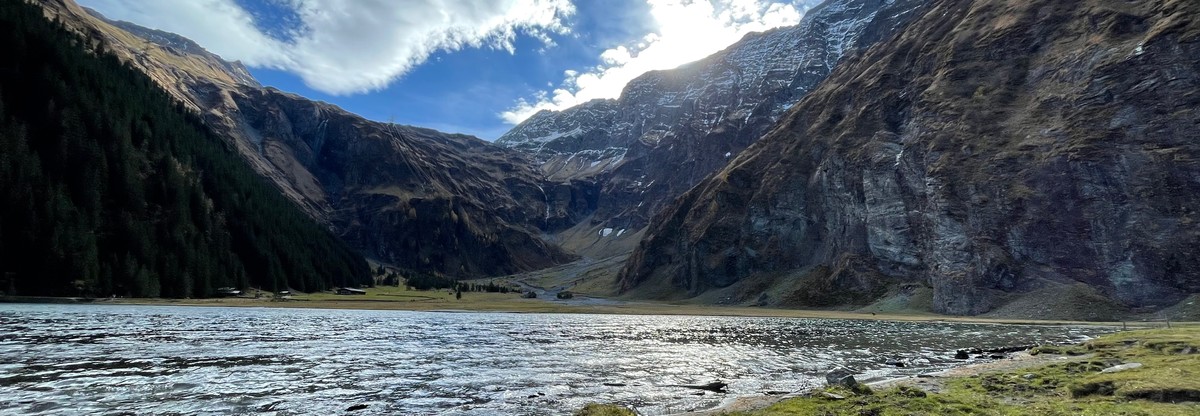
(95, 359)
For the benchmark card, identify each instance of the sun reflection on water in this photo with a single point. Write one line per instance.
(146, 360)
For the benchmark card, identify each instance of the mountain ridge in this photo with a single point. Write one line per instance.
(958, 156)
(987, 157)
(476, 209)
(529, 218)
(671, 128)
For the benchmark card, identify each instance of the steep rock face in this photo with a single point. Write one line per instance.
(576, 143)
(992, 148)
(420, 199)
(671, 128)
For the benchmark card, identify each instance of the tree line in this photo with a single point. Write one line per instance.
(425, 281)
(108, 186)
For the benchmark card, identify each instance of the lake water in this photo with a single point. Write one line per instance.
(106, 359)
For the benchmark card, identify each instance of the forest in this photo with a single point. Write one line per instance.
(109, 187)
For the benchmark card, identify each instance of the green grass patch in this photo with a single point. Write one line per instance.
(901, 400)
(1170, 369)
(597, 409)
(1167, 383)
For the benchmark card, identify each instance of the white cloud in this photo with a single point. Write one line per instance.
(349, 47)
(687, 30)
(221, 26)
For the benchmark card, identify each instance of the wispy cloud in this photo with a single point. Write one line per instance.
(341, 47)
(687, 30)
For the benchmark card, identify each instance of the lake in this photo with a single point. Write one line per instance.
(98, 359)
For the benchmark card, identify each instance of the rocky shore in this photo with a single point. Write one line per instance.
(1151, 372)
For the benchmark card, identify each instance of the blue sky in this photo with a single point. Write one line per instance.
(462, 66)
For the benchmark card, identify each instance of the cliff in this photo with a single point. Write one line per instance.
(669, 129)
(1007, 157)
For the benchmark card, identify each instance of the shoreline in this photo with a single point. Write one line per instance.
(1126, 372)
(948, 380)
(512, 304)
(933, 381)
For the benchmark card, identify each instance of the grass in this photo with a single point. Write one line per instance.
(1168, 383)
(397, 298)
(597, 409)
(591, 277)
(1170, 372)
(381, 298)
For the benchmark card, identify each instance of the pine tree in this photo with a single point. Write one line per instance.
(110, 187)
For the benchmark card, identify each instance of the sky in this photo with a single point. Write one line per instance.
(461, 66)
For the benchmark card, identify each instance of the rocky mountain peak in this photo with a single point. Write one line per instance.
(1026, 159)
(550, 132)
(671, 128)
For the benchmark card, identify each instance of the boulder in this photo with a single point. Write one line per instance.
(1011, 349)
(841, 377)
(1122, 367)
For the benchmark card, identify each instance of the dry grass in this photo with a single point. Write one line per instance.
(596, 409)
(397, 298)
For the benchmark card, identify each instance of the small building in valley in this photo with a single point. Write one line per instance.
(350, 291)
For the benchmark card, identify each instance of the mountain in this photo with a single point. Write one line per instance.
(1018, 159)
(1034, 158)
(454, 205)
(183, 48)
(108, 187)
(423, 200)
(417, 198)
(669, 129)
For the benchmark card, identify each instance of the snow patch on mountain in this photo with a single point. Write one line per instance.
(778, 67)
(682, 124)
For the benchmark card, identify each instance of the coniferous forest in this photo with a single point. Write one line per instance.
(110, 187)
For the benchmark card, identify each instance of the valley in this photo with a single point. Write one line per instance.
(964, 203)
(849, 201)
